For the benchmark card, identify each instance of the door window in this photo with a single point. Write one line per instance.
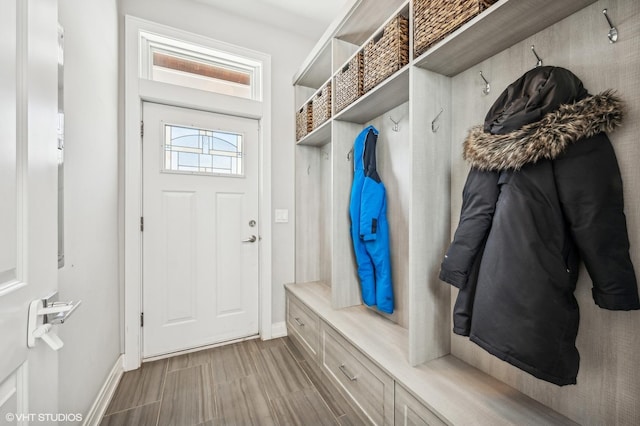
(202, 151)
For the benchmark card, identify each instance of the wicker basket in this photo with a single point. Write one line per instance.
(348, 83)
(303, 121)
(387, 52)
(321, 106)
(433, 20)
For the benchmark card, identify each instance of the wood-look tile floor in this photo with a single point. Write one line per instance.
(247, 383)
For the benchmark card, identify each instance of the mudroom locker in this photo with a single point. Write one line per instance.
(423, 74)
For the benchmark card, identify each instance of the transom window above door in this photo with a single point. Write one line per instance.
(189, 65)
(202, 151)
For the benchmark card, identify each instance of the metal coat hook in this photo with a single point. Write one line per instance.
(433, 122)
(613, 31)
(487, 87)
(350, 154)
(395, 124)
(539, 63)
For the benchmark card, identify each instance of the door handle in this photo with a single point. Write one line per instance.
(253, 239)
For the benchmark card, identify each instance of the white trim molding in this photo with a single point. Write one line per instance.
(278, 329)
(137, 90)
(99, 407)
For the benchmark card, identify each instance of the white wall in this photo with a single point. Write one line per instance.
(92, 335)
(287, 52)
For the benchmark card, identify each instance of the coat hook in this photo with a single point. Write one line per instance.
(613, 31)
(539, 63)
(350, 154)
(487, 87)
(433, 123)
(395, 124)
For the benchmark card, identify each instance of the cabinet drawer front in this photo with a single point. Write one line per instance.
(369, 387)
(304, 324)
(411, 412)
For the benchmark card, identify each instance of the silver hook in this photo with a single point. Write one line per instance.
(539, 63)
(395, 124)
(433, 123)
(613, 31)
(350, 154)
(487, 87)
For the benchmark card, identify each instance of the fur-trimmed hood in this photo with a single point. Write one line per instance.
(547, 138)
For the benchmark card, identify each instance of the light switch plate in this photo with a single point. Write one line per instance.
(282, 215)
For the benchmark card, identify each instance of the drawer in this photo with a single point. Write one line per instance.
(411, 412)
(370, 388)
(303, 325)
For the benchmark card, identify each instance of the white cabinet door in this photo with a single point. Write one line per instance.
(200, 238)
(28, 201)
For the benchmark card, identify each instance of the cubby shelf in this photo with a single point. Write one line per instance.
(487, 34)
(319, 136)
(356, 22)
(502, 25)
(389, 94)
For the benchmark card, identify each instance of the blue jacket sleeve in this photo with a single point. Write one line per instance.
(373, 196)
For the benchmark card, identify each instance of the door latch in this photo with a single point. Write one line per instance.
(42, 319)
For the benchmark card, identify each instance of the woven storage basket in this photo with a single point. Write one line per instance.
(433, 20)
(348, 83)
(303, 121)
(387, 52)
(321, 106)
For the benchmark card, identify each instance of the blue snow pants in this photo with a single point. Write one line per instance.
(369, 226)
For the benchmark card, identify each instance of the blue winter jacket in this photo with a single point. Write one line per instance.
(369, 227)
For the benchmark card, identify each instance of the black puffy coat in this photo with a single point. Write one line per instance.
(544, 191)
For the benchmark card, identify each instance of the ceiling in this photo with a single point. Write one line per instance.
(308, 18)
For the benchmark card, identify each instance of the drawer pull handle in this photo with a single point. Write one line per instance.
(300, 323)
(346, 373)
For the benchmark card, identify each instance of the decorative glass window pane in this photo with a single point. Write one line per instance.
(192, 150)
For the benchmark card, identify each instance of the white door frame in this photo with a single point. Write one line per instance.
(137, 90)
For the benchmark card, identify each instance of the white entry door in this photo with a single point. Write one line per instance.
(28, 200)
(200, 231)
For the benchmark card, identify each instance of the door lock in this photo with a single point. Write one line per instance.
(252, 223)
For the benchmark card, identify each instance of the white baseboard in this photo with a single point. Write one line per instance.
(94, 417)
(278, 329)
